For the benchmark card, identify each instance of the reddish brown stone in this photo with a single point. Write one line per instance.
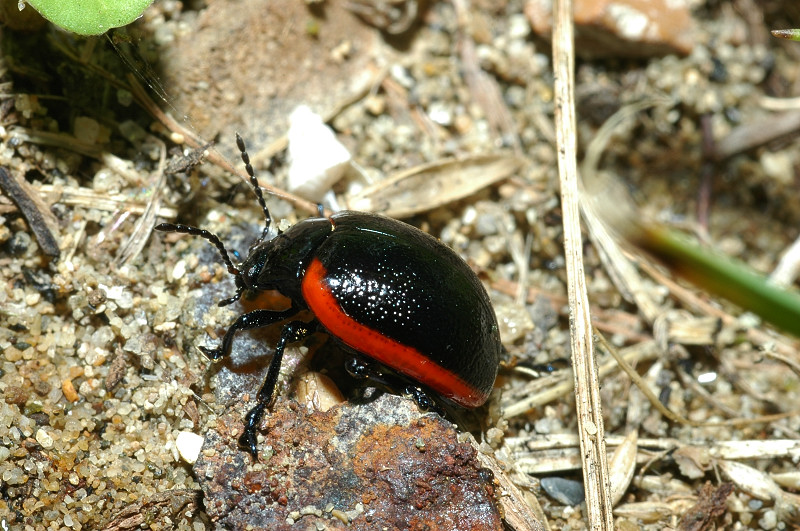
(622, 28)
(375, 466)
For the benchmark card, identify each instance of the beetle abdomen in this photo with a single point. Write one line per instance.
(403, 298)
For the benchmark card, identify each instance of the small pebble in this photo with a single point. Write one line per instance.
(317, 158)
(44, 438)
(18, 244)
(566, 491)
(86, 129)
(375, 104)
(318, 391)
(179, 270)
(769, 520)
(69, 391)
(189, 445)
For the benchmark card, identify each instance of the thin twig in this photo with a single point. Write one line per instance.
(692, 301)
(33, 209)
(706, 175)
(555, 386)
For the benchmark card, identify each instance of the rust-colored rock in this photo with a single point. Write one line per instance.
(381, 465)
(622, 28)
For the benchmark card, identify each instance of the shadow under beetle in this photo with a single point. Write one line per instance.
(415, 316)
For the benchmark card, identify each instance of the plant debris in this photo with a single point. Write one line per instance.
(25, 198)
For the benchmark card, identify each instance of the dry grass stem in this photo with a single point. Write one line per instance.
(587, 387)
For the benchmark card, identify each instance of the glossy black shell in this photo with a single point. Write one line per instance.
(395, 279)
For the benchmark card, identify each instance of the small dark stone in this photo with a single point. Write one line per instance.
(18, 244)
(719, 74)
(41, 282)
(96, 297)
(41, 419)
(41, 387)
(565, 491)
(15, 395)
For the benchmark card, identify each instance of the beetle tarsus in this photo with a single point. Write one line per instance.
(423, 401)
(248, 438)
(214, 354)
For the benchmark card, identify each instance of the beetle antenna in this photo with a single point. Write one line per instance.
(194, 231)
(253, 181)
(213, 238)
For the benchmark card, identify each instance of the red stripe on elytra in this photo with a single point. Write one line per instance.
(406, 360)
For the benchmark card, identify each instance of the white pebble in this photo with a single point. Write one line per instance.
(769, 520)
(778, 166)
(518, 26)
(179, 270)
(317, 158)
(44, 438)
(189, 445)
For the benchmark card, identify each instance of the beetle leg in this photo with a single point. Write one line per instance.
(292, 331)
(248, 321)
(360, 370)
(424, 402)
(388, 382)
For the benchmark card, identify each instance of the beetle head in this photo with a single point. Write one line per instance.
(280, 263)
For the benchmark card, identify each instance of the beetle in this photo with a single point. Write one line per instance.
(416, 318)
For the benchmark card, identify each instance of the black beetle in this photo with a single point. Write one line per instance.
(411, 310)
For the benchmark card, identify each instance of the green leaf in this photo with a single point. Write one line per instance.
(721, 276)
(791, 34)
(90, 17)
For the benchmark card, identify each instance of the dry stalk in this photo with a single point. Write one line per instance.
(587, 389)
